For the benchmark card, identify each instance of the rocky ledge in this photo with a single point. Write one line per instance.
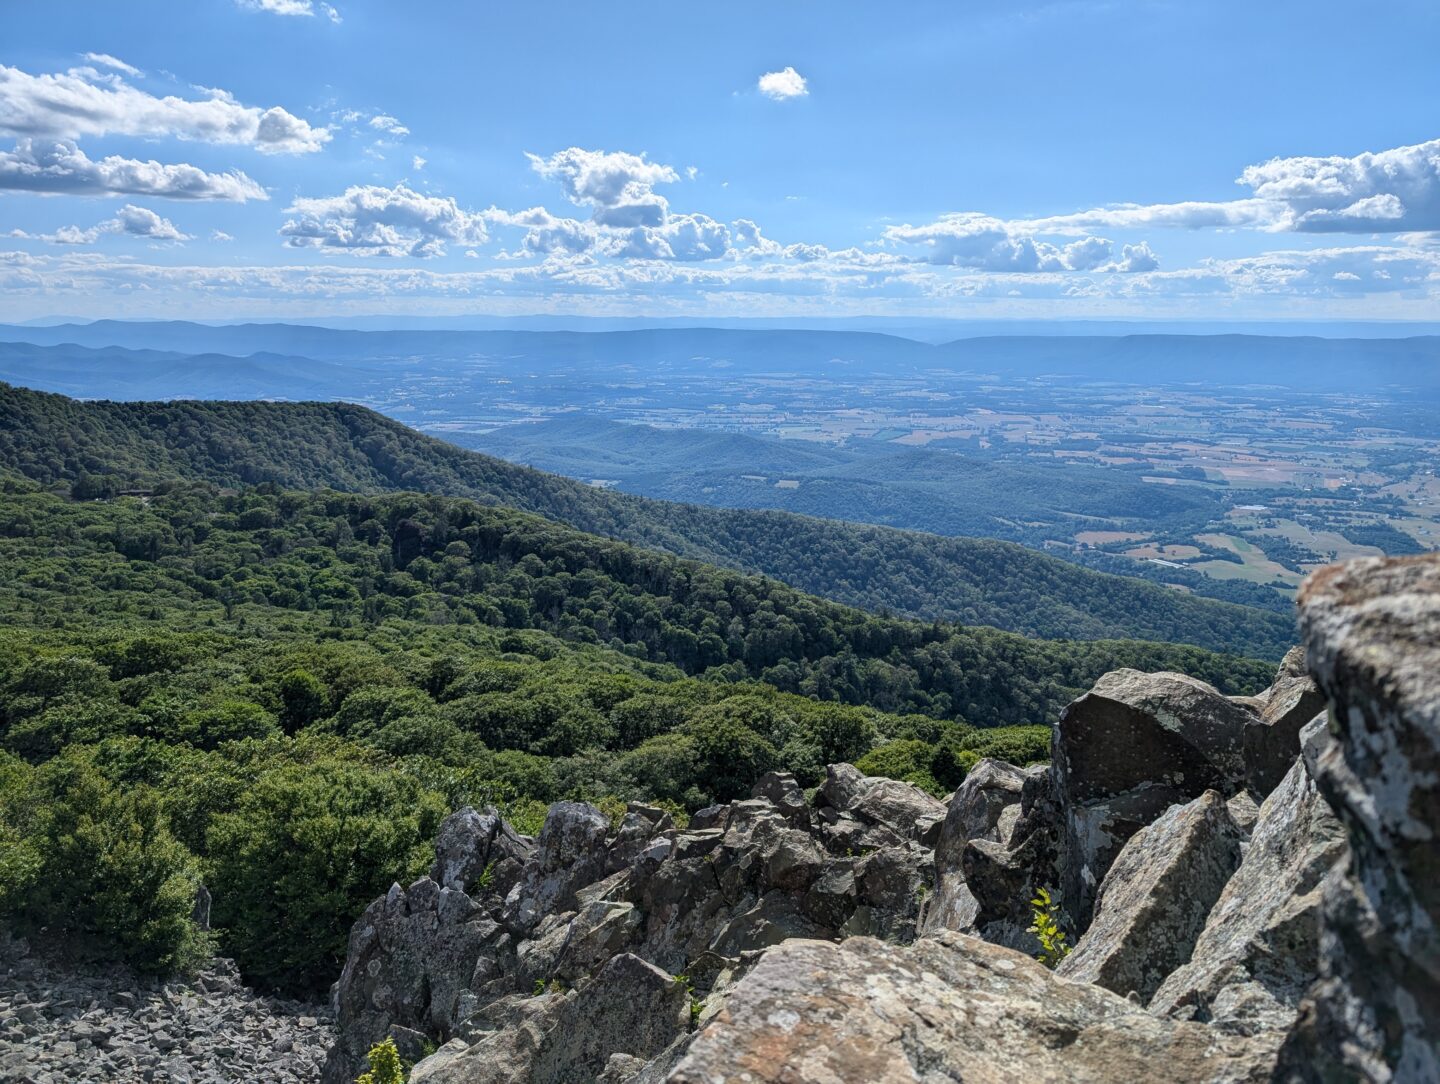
(1249, 884)
(63, 1025)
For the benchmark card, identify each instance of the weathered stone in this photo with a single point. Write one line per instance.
(410, 956)
(1272, 742)
(1258, 951)
(1372, 633)
(1125, 752)
(975, 811)
(1156, 898)
(907, 811)
(951, 1008)
(570, 853)
(471, 842)
(784, 791)
(630, 1008)
(844, 785)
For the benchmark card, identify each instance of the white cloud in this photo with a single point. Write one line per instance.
(784, 84)
(291, 7)
(385, 123)
(373, 221)
(618, 186)
(983, 243)
(105, 60)
(683, 237)
(546, 234)
(59, 167)
(131, 220)
(220, 236)
(417, 163)
(80, 102)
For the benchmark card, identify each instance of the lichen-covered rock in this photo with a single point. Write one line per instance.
(1258, 952)
(1125, 752)
(411, 956)
(630, 1008)
(478, 845)
(570, 853)
(1372, 635)
(1156, 898)
(1272, 741)
(944, 1009)
(989, 795)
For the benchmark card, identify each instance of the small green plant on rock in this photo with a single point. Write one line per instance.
(1046, 918)
(385, 1065)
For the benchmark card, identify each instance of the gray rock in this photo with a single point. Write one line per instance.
(569, 854)
(630, 1008)
(1125, 752)
(1154, 901)
(470, 843)
(1272, 742)
(945, 1009)
(1372, 634)
(1258, 952)
(990, 790)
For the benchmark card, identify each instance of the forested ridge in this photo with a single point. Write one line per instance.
(103, 448)
(282, 693)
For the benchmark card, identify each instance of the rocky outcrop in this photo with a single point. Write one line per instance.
(867, 934)
(1259, 950)
(1124, 753)
(1272, 741)
(1372, 634)
(949, 1008)
(1154, 901)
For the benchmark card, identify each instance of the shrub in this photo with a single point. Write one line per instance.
(729, 756)
(303, 852)
(113, 881)
(385, 1065)
(1046, 926)
(906, 760)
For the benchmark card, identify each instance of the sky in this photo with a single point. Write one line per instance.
(1074, 159)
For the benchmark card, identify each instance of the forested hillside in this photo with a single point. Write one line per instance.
(103, 448)
(282, 693)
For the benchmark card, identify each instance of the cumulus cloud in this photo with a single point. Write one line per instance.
(131, 220)
(547, 234)
(983, 243)
(81, 102)
(1392, 191)
(417, 163)
(782, 85)
(59, 167)
(619, 187)
(373, 221)
(291, 7)
(683, 237)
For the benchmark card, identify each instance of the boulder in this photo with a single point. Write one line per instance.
(1258, 952)
(470, 843)
(906, 811)
(1154, 901)
(1125, 752)
(1272, 741)
(948, 1008)
(1372, 635)
(570, 853)
(990, 793)
(782, 789)
(411, 957)
(631, 1008)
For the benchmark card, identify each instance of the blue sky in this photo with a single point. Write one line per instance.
(1072, 159)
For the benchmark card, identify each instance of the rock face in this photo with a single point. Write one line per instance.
(985, 807)
(1372, 632)
(1272, 741)
(1156, 898)
(1125, 752)
(948, 1008)
(1258, 952)
(556, 959)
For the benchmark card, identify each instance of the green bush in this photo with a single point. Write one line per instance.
(112, 880)
(906, 760)
(301, 855)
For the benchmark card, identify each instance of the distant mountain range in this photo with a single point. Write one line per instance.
(1309, 363)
